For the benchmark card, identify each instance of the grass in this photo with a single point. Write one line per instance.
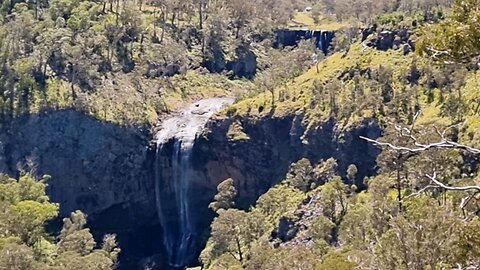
(305, 19)
(131, 99)
(297, 95)
(298, 92)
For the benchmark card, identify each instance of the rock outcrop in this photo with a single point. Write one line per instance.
(242, 65)
(386, 39)
(293, 231)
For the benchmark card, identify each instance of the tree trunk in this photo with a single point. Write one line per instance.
(44, 69)
(155, 38)
(36, 9)
(117, 12)
(72, 87)
(174, 16)
(162, 35)
(460, 104)
(72, 81)
(399, 184)
(200, 14)
(239, 249)
(237, 32)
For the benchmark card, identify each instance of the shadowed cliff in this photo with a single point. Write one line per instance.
(98, 167)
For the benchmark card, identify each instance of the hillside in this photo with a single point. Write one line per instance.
(167, 135)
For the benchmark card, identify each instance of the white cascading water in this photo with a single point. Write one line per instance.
(182, 128)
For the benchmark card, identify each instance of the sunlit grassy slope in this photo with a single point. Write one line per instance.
(297, 96)
(305, 19)
(299, 90)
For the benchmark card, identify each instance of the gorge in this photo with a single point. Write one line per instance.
(192, 161)
(239, 135)
(155, 198)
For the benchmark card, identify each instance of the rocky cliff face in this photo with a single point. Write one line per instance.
(386, 39)
(261, 156)
(291, 37)
(98, 167)
(94, 165)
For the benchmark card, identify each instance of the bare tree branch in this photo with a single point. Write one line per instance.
(420, 147)
(419, 192)
(424, 147)
(417, 147)
(466, 200)
(434, 183)
(436, 53)
(433, 178)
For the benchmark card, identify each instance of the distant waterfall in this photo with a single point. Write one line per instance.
(177, 221)
(291, 37)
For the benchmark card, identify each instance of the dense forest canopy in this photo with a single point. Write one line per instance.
(411, 66)
(25, 242)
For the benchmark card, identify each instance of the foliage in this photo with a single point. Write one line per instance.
(300, 175)
(233, 233)
(284, 259)
(335, 260)
(277, 202)
(343, 229)
(117, 61)
(457, 38)
(403, 245)
(25, 243)
(224, 199)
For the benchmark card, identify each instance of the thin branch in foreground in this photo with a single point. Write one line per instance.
(436, 53)
(424, 147)
(418, 148)
(416, 194)
(408, 133)
(433, 178)
(466, 200)
(435, 184)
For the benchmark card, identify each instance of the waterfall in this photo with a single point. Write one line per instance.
(177, 220)
(291, 37)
